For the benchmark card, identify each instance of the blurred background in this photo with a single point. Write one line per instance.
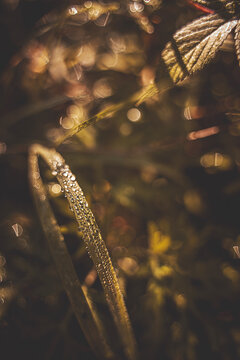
(162, 179)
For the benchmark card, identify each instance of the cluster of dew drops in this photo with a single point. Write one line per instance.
(86, 220)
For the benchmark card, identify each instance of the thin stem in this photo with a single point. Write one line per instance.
(136, 98)
(91, 236)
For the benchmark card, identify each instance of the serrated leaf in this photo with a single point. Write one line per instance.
(237, 41)
(195, 45)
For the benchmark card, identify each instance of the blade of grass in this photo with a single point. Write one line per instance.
(91, 236)
(84, 311)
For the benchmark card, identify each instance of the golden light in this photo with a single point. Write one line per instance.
(193, 201)
(102, 89)
(194, 112)
(88, 4)
(180, 300)
(75, 112)
(200, 134)
(159, 242)
(90, 278)
(56, 189)
(147, 75)
(108, 60)
(57, 65)
(134, 115)
(87, 55)
(102, 188)
(136, 7)
(117, 43)
(53, 133)
(216, 160)
(211, 160)
(187, 113)
(230, 273)
(148, 173)
(161, 272)
(125, 129)
(93, 13)
(128, 265)
(66, 123)
(38, 57)
(72, 11)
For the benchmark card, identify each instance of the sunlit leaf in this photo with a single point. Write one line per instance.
(195, 45)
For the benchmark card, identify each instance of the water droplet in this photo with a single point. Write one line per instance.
(134, 114)
(56, 189)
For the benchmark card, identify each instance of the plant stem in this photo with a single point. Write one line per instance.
(136, 99)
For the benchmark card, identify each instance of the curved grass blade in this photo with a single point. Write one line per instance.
(81, 304)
